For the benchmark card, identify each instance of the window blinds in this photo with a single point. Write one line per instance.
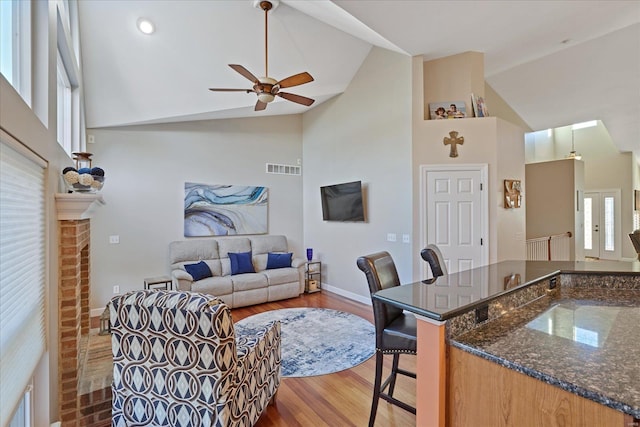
(22, 270)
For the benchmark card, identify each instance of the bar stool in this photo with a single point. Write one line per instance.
(395, 330)
(431, 254)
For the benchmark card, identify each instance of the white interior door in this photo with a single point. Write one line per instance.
(602, 231)
(456, 215)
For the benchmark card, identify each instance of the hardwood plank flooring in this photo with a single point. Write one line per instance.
(339, 399)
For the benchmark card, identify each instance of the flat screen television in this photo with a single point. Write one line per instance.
(342, 202)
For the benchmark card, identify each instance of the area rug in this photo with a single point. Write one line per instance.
(317, 341)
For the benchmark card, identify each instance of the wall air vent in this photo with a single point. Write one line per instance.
(283, 169)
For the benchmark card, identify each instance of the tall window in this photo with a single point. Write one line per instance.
(22, 271)
(588, 225)
(609, 224)
(65, 116)
(23, 416)
(70, 132)
(15, 45)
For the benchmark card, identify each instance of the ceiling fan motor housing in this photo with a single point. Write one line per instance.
(266, 89)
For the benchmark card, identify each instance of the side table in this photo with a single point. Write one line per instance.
(313, 276)
(160, 282)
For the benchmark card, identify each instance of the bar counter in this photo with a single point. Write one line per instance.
(519, 315)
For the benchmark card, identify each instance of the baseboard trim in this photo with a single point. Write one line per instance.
(347, 294)
(97, 312)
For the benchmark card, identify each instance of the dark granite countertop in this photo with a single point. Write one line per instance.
(581, 339)
(454, 294)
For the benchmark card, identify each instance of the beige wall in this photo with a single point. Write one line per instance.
(453, 78)
(509, 231)
(490, 141)
(551, 194)
(497, 107)
(487, 140)
(363, 134)
(145, 171)
(605, 168)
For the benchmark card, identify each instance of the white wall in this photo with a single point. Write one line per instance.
(145, 171)
(363, 134)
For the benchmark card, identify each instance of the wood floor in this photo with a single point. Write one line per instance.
(340, 399)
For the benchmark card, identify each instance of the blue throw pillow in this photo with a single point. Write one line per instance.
(241, 262)
(278, 260)
(198, 271)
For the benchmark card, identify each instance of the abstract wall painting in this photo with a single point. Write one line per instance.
(221, 210)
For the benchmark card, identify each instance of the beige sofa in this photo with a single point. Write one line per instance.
(243, 289)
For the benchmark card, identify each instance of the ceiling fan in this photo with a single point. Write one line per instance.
(268, 88)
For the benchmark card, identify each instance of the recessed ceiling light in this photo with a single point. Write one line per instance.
(146, 26)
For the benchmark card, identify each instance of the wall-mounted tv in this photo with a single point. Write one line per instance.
(342, 202)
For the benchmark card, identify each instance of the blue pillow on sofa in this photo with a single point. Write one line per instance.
(241, 262)
(278, 260)
(198, 271)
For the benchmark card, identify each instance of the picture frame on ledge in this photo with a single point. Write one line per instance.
(447, 110)
(479, 106)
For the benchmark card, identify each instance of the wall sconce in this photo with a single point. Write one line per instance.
(512, 193)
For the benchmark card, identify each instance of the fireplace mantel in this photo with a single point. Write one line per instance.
(74, 206)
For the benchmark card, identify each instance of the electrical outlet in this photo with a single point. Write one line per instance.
(406, 238)
(482, 314)
(116, 289)
(115, 239)
(391, 237)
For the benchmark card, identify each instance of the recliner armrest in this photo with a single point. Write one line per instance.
(183, 279)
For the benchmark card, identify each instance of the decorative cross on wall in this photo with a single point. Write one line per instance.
(453, 140)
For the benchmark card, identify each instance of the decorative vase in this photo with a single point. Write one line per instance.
(309, 254)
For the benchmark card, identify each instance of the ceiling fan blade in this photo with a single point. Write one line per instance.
(295, 80)
(222, 89)
(296, 98)
(260, 106)
(246, 73)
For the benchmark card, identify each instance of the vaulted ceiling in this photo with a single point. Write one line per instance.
(554, 62)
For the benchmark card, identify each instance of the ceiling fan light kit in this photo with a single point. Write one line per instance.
(267, 88)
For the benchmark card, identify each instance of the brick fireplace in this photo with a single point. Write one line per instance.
(74, 230)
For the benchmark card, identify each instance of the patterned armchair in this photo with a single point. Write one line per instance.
(177, 362)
